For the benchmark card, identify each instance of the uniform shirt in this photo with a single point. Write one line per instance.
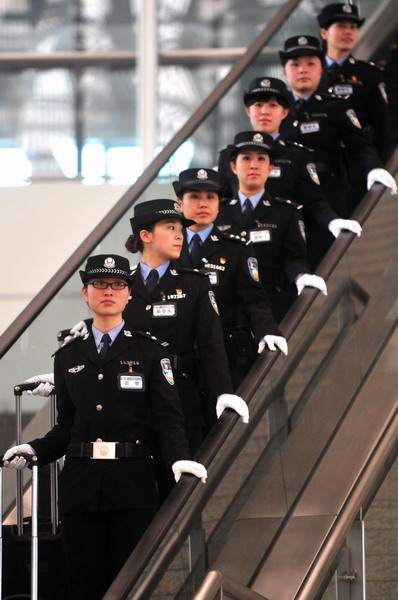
(92, 405)
(112, 334)
(183, 311)
(293, 177)
(145, 270)
(325, 124)
(232, 268)
(278, 236)
(363, 83)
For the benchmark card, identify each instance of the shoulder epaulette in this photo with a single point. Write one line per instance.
(330, 96)
(287, 202)
(191, 270)
(69, 342)
(234, 238)
(366, 63)
(148, 335)
(297, 145)
(133, 269)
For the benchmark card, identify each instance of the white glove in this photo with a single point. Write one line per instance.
(18, 462)
(336, 226)
(273, 341)
(46, 386)
(384, 177)
(189, 466)
(78, 330)
(235, 402)
(309, 280)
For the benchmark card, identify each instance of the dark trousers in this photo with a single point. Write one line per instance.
(96, 547)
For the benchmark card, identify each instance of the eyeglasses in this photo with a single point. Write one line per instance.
(99, 284)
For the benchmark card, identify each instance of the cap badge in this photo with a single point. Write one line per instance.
(201, 174)
(265, 83)
(109, 263)
(257, 137)
(302, 41)
(347, 8)
(177, 207)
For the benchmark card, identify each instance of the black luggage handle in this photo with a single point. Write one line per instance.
(30, 458)
(20, 388)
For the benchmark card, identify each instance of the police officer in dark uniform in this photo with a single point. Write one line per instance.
(115, 391)
(345, 75)
(273, 225)
(361, 81)
(325, 123)
(294, 175)
(181, 309)
(232, 269)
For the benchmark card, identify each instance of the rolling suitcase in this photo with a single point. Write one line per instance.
(31, 551)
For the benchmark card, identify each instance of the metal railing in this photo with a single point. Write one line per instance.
(34, 308)
(173, 507)
(216, 586)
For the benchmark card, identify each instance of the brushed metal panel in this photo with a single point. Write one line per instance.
(289, 560)
(247, 543)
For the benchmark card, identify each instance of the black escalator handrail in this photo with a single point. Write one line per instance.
(174, 504)
(45, 295)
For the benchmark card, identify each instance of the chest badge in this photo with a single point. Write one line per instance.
(76, 369)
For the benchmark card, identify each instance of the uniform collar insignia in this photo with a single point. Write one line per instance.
(233, 201)
(128, 333)
(214, 238)
(87, 335)
(266, 203)
(173, 272)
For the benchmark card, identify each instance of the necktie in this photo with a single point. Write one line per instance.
(152, 280)
(194, 248)
(334, 71)
(105, 340)
(299, 104)
(248, 210)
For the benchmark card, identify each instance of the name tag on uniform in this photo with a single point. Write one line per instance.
(276, 172)
(213, 276)
(257, 236)
(164, 309)
(131, 382)
(343, 90)
(311, 127)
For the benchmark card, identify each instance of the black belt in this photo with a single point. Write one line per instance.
(107, 450)
(181, 363)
